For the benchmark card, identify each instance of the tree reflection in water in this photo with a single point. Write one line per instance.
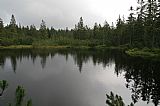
(142, 75)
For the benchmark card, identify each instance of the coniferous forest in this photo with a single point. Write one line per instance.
(141, 29)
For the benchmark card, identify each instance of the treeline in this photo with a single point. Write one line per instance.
(14, 34)
(140, 29)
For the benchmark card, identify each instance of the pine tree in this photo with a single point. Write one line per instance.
(119, 30)
(1, 27)
(95, 30)
(157, 24)
(13, 26)
(80, 30)
(43, 29)
(131, 25)
(33, 31)
(1, 23)
(43, 25)
(13, 21)
(80, 24)
(106, 29)
(151, 9)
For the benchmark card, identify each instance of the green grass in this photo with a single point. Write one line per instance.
(30, 47)
(145, 52)
(16, 47)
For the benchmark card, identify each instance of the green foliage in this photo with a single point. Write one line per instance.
(3, 86)
(19, 94)
(145, 52)
(1, 25)
(29, 102)
(66, 42)
(115, 100)
(43, 30)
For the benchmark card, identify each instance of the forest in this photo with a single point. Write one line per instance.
(141, 29)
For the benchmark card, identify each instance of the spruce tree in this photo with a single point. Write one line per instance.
(1, 27)
(131, 25)
(43, 30)
(13, 21)
(80, 29)
(1, 23)
(80, 24)
(13, 26)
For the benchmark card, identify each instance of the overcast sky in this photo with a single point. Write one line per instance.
(64, 13)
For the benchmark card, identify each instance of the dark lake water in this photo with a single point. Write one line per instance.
(79, 77)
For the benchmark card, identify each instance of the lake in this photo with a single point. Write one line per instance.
(53, 77)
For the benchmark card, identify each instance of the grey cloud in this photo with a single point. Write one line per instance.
(56, 13)
(62, 13)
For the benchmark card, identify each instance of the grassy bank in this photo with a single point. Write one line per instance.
(99, 47)
(145, 52)
(16, 47)
(29, 47)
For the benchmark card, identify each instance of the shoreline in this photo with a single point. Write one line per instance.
(57, 47)
(29, 47)
(145, 52)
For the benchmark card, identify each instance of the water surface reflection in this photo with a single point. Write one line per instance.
(51, 76)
